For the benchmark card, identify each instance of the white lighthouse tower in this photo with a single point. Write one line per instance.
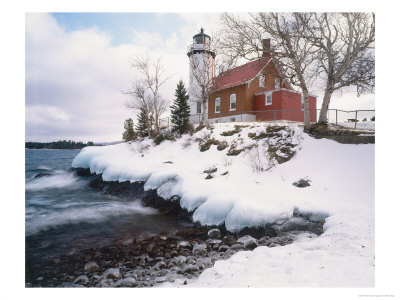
(201, 73)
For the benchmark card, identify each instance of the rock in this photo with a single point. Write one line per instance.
(209, 176)
(91, 267)
(200, 249)
(105, 283)
(176, 270)
(184, 244)
(214, 241)
(191, 260)
(190, 268)
(83, 279)
(301, 183)
(180, 260)
(210, 170)
(126, 282)
(295, 223)
(161, 279)
(127, 242)
(214, 233)
(223, 248)
(204, 263)
(41, 175)
(159, 265)
(229, 240)
(263, 240)
(112, 273)
(248, 242)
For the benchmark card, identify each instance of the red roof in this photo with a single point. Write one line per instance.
(239, 75)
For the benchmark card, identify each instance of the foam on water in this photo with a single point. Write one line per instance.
(53, 181)
(72, 215)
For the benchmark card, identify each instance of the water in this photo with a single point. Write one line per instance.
(63, 214)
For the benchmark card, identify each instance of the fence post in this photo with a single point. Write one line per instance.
(336, 117)
(355, 123)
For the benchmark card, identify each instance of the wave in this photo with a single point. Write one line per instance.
(43, 167)
(87, 214)
(54, 181)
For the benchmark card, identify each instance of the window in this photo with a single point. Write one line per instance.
(199, 107)
(217, 104)
(268, 98)
(261, 81)
(302, 102)
(232, 102)
(277, 83)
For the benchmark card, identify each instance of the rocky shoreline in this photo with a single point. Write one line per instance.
(167, 257)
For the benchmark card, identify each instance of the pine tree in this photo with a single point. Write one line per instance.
(129, 133)
(180, 109)
(144, 123)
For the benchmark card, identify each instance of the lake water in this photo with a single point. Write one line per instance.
(63, 214)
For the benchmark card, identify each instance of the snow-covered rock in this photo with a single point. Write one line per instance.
(258, 190)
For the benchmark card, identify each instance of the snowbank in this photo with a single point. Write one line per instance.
(342, 187)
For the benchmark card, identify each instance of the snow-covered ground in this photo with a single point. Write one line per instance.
(342, 190)
(367, 125)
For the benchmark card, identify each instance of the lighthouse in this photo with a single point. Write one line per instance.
(201, 74)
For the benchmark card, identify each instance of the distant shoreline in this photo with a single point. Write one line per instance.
(58, 145)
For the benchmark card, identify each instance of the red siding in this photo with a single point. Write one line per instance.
(284, 100)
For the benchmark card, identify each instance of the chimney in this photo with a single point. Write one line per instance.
(266, 43)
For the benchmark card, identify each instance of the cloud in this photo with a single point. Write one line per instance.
(45, 114)
(76, 78)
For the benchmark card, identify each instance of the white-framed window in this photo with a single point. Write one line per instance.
(302, 102)
(261, 80)
(199, 107)
(268, 98)
(218, 105)
(277, 83)
(232, 102)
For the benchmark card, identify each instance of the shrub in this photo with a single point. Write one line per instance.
(205, 145)
(222, 145)
(162, 137)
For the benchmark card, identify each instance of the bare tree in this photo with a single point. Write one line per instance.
(152, 79)
(141, 102)
(346, 56)
(295, 56)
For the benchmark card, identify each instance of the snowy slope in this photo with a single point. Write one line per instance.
(342, 188)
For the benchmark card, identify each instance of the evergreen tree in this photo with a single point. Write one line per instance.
(180, 109)
(144, 123)
(129, 133)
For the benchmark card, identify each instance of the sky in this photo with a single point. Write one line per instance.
(79, 64)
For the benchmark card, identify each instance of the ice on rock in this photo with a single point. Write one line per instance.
(158, 178)
(213, 211)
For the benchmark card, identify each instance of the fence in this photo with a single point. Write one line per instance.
(352, 118)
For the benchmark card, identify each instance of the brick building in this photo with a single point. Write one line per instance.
(256, 91)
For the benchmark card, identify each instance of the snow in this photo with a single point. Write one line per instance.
(361, 125)
(342, 190)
